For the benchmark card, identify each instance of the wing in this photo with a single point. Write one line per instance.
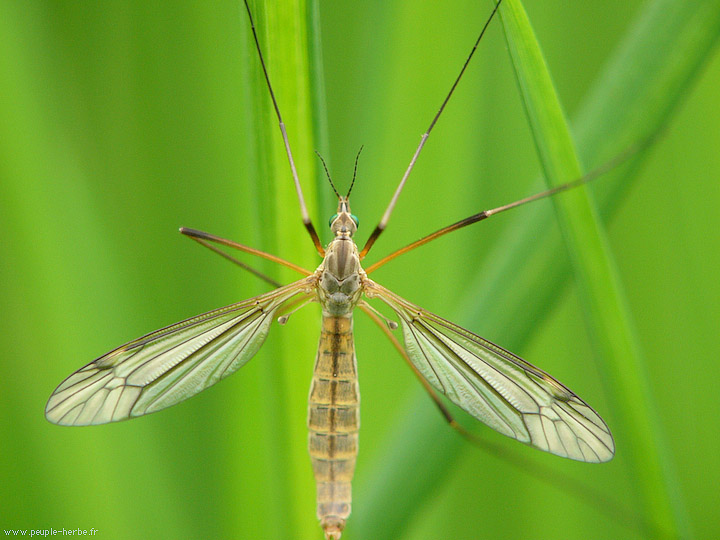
(170, 365)
(499, 388)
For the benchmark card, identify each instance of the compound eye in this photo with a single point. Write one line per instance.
(356, 220)
(332, 219)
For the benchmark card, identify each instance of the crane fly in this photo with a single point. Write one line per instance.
(492, 384)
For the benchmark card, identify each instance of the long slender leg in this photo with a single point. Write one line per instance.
(200, 235)
(592, 175)
(533, 468)
(241, 264)
(386, 216)
(301, 199)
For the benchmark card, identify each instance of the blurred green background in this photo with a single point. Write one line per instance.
(121, 121)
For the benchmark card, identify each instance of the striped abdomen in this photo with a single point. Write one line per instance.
(333, 421)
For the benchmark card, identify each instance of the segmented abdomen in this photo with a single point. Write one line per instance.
(333, 421)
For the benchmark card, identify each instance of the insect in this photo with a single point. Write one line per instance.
(495, 386)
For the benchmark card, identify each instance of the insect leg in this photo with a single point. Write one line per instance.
(241, 264)
(386, 216)
(200, 235)
(589, 177)
(301, 199)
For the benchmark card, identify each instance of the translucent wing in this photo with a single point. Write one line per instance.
(168, 366)
(498, 387)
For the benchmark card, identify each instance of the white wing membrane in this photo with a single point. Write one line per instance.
(499, 388)
(167, 366)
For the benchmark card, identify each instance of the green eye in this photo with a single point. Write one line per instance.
(332, 219)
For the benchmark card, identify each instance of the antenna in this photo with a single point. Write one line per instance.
(354, 172)
(327, 173)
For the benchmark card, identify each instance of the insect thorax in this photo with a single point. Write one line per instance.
(340, 283)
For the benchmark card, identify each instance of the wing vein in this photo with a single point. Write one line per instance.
(497, 387)
(169, 365)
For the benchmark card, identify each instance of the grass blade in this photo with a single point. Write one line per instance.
(284, 33)
(603, 300)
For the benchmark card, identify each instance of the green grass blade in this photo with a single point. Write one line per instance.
(285, 39)
(523, 281)
(603, 300)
